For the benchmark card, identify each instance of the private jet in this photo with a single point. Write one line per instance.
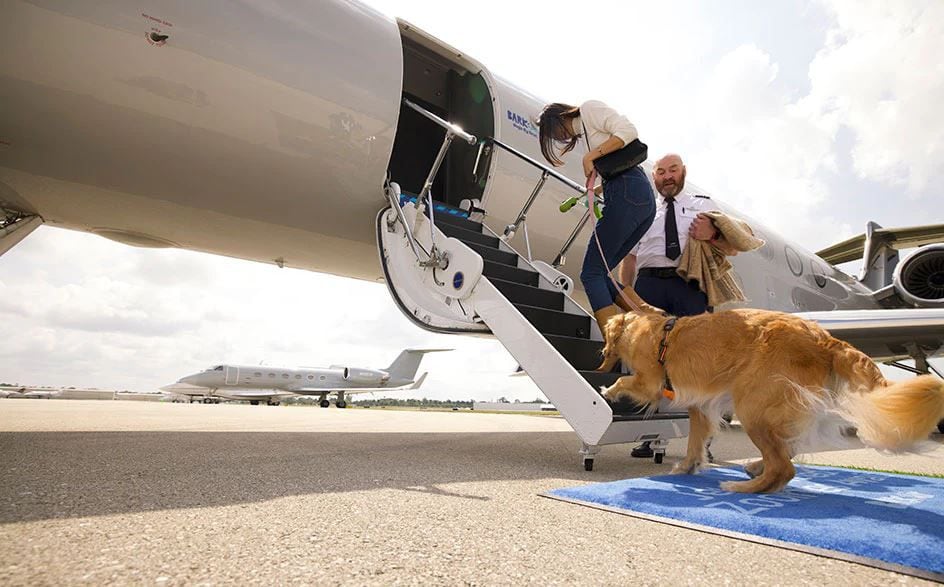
(256, 384)
(330, 137)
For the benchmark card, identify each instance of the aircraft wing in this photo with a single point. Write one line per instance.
(886, 335)
(356, 390)
(897, 238)
(253, 393)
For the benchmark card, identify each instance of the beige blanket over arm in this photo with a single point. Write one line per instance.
(708, 265)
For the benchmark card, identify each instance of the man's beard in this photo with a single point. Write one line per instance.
(673, 189)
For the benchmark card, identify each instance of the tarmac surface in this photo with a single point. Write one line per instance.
(107, 492)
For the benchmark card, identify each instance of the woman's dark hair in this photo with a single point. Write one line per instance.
(551, 125)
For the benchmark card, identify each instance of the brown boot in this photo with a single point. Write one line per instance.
(604, 314)
(634, 297)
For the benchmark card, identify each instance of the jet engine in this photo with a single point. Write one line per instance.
(365, 376)
(919, 277)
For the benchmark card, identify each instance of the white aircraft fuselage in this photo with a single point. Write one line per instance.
(304, 381)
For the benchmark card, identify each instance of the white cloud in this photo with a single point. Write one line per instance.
(882, 74)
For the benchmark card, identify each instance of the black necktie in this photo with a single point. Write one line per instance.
(672, 248)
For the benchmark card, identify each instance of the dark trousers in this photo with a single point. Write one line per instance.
(630, 209)
(673, 294)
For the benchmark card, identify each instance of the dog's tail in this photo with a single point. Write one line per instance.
(888, 415)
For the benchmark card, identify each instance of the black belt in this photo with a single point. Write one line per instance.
(660, 272)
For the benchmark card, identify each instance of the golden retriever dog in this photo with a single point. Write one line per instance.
(784, 377)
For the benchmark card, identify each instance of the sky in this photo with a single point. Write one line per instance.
(812, 116)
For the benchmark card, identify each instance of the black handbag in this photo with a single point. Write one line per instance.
(619, 161)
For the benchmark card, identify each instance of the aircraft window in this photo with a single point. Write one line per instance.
(793, 261)
(257, 374)
(271, 374)
(218, 368)
(298, 377)
(819, 273)
(322, 377)
(310, 377)
(765, 251)
(284, 375)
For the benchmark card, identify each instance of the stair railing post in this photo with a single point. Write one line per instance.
(427, 194)
(522, 217)
(561, 256)
(452, 131)
(393, 196)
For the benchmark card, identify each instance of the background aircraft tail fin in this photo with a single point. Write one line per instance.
(405, 365)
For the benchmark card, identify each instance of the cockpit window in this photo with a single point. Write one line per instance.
(217, 368)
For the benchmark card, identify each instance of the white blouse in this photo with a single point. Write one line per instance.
(602, 122)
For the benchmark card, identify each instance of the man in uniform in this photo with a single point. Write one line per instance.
(652, 263)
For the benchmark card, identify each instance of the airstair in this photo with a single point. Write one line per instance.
(450, 274)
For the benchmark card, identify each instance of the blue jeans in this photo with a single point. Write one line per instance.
(630, 208)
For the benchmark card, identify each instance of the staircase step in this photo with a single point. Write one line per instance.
(554, 322)
(508, 273)
(490, 254)
(625, 409)
(518, 293)
(457, 221)
(583, 354)
(446, 213)
(469, 236)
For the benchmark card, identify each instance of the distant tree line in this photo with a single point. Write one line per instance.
(413, 403)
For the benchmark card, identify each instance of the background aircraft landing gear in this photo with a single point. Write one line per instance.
(254, 402)
(324, 403)
(272, 403)
(340, 404)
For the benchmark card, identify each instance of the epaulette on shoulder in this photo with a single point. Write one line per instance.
(703, 196)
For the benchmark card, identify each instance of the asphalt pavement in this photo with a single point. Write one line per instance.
(109, 492)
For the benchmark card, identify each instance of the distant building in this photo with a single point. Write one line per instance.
(514, 406)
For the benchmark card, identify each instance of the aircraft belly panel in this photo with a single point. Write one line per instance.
(236, 116)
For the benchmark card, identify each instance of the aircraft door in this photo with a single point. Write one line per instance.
(232, 376)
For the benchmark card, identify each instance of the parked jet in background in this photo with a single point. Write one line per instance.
(29, 392)
(266, 383)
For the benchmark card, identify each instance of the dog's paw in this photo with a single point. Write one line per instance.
(686, 467)
(754, 469)
(740, 486)
(609, 393)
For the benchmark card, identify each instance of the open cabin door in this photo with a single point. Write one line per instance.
(447, 83)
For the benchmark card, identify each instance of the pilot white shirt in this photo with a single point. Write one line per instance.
(602, 122)
(650, 250)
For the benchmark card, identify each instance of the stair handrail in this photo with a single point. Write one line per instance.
(452, 130)
(546, 172)
(550, 171)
